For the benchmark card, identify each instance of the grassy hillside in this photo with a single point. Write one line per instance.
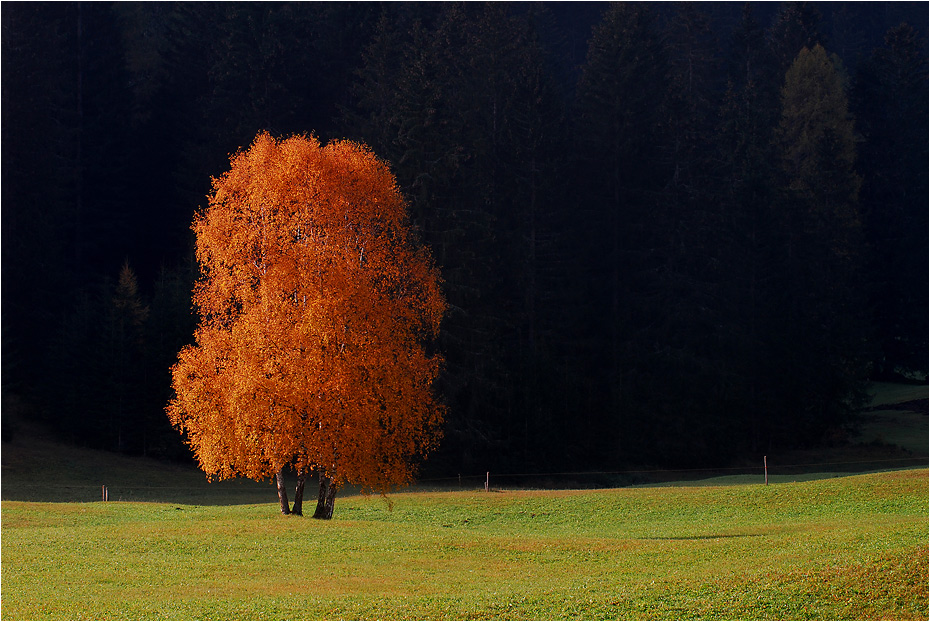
(37, 467)
(844, 548)
(180, 547)
(40, 469)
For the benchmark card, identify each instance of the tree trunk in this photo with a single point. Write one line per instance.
(282, 493)
(299, 494)
(327, 500)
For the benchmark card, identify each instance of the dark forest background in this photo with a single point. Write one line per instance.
(668, 235)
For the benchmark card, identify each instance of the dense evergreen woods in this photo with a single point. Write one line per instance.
(670, 234)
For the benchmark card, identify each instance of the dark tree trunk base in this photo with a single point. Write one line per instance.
(298, 508)
(282, 493)
(327, 499)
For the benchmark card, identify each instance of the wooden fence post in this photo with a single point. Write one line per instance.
(487, 481)
(765, 464)
(103, 492)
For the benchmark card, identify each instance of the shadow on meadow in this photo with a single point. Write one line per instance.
(38, 468)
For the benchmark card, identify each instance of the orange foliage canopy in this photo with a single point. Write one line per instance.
(316, 306)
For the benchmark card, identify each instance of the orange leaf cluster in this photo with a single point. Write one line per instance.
(316, 305)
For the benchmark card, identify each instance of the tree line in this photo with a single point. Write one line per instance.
(683, 243)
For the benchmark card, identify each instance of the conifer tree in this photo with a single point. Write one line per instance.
(622, 164)
(125, 336)
(891, 109)
(748, 239)
(820, 349)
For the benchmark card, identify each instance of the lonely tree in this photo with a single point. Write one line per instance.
(317, 309)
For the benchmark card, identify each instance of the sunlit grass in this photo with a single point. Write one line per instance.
(845, 548)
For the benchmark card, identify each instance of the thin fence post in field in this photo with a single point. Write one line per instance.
(765, 464)
(487, 481)
(103, 492)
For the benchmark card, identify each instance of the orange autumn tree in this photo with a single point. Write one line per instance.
(317, 307)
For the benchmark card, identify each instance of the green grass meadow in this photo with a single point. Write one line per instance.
(817, 543)
(841, 548)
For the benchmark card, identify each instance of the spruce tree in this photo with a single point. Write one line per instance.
(890, 102)
(821, 347)
(622, 165)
